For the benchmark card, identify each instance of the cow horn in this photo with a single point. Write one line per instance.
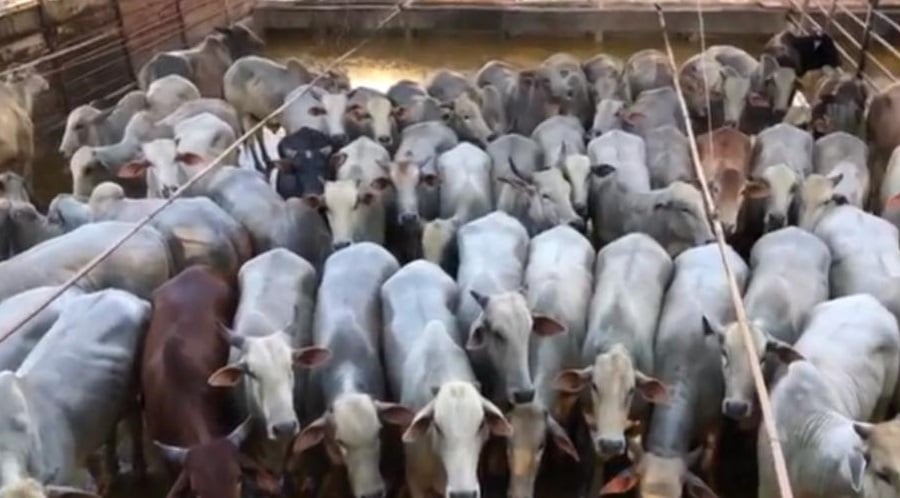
(479, 298)
(174, 454)
(240, 433)
(236, 341)
(515, 170)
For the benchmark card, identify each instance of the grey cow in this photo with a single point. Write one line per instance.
(139, 266)
(558, 279)
(465, 173)
(668, 156)
(271, 220)
(646, 70)
(95, 342)
(16, 347)
(206, 233)
(429, 372)
(783, 158)
(494, 314)
(88, 125)
(842, 384)
(630, 279)
(789, 278)
(689, 363)
(414, 171)
(270, 339)
(865, 256)
(349, 392)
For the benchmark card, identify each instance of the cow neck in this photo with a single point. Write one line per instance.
(672, 425)
(49, 442)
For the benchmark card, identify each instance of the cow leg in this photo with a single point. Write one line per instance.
(139, 463)
(710, 455)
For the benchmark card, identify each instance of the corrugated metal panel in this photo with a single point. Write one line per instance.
(150, 27)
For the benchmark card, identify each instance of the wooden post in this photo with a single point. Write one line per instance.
(52, 43)
(123, 37)
(184, 40)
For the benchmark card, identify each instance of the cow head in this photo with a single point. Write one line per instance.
(817, 197)
(350, 432)
(455, 425)
(240, 41)
(777, 83)
(304, 164)
(215, 468)
(408, 176)
(613, 382)
(548, 199)
(266, 365)
(607, 116)
(463, 114)
(503, 330)
(659, 477)
(350, 207)
(577, 170)
(533, 427)
(783, 188)
(740, 391)
(882, 452)
(374, 113)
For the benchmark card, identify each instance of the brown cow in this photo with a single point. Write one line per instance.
(883, 132)
(190, 422)
(725, 157)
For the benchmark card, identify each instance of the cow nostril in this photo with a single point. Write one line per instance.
(610, 447)
(463, 494)
(376, 494)
(524, 396)
(735, 409)
(337, 246)
(492, 137)
(385, 140)
(409, 218)
(775, 221)
(581, 210)
(339, 138)
(286, 429)
(730, 123)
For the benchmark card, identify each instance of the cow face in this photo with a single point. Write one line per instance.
(784, 184)
(882, 452)
(455, 425)
(351, 433)
(349, 208)
(817, 197)
(267, 365)
(659, 477)
(464, 115)
(577, 170)
(533, 427)
(503, 330)
(304, 164)
(613, 383)
(607, 116)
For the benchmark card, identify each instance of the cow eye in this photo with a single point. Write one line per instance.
(317, 111)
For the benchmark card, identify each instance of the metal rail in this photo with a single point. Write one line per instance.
(736, 299)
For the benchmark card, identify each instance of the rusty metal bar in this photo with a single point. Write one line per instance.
(781, 472)
(858, 46)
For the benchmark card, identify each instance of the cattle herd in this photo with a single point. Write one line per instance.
(417, 290)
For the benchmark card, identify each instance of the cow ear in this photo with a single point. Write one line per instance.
(696, 488)
(496, 422)
(311, 356)
(755, 189)
(756, 99)
(624, 482)
(134, 169)
(394, 414)
(312, 435)
(783, 351)
(479, 298)
(651, 389)
(836, 179)
(561, 439)
(227, 376)
(572, 381)
(768, 64)
(633, 117)
(854, 467)
(446, 112)
(545, 326)
(476, 335)
(420, 424)
(863, 430)
(710, 327)
(337, 160)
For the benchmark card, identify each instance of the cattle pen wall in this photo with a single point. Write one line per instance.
(92, 49)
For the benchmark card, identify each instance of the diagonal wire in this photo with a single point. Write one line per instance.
(399, 7)
(764, 402)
